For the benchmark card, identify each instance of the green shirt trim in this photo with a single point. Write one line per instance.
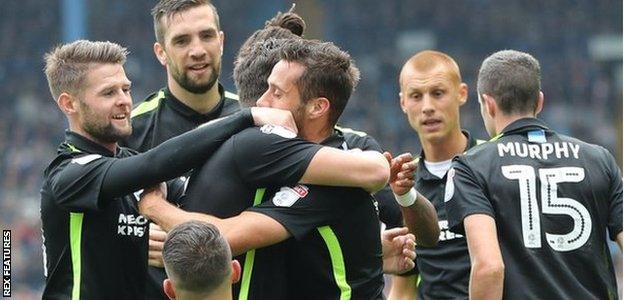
(249, 258)
(75, 242)
(337, 260)
(148, 105)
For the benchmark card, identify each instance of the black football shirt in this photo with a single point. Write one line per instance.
(445, 268)
(554, 199)
(158, 118)
(235, 178)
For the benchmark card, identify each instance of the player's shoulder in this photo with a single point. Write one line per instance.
(264, 133)
(148, 106)
(358, 139)
(590, 151)
(231, 104)
(481, 146)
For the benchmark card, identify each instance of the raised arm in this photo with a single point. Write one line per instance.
(179, 154)
(419, 214)
(365, 169)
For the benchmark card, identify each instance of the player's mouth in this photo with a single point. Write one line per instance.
(121, 117)
(199, 68)
(431, 124)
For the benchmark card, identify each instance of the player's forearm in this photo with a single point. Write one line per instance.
(167, 215)
(173, 157)
(422, 220)
(368, 169)
(403, 288)
(486, 280)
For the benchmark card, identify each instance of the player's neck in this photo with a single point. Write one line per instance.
(315, 133)
(445, 148)
(112, 147)
(201, 103)
(503, 121)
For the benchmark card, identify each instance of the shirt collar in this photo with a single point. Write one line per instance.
(524, 124)
(77, 141)
(190, 113)
(423, 172)
(336, 139)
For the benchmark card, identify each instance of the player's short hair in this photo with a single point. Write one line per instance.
(329, 72)
(169, 8)
(197, 257)
(260, 52)
(428, 60)
(512, 78)
(66, 66)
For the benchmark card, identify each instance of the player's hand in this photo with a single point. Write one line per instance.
(402, 170)
(157, 238)
(398, 248)
(273, 116)
(151, 196)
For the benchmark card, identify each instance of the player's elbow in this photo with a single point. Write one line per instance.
(488, 269)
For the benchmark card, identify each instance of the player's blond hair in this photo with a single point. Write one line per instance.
(428, 60)
(66, 66)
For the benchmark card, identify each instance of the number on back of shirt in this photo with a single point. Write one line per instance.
(551, 204)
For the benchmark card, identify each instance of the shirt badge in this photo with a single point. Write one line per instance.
(287, 196)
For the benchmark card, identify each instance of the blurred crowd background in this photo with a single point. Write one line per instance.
(578, 42)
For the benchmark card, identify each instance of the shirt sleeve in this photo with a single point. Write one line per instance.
(464, 196)
(303, 208)
(615, 201)
(270, 156)
(76, 183)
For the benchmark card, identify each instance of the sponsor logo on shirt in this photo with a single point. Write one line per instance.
(131, 225)
(279, 130)
(445, 233)
(287, 196)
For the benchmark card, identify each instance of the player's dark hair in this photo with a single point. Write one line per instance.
(169, 8)
(329, 73)
(512, 78)
(197, 257)
(259, 54)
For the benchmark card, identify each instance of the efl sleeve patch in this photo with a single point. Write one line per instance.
(287, 196)
(278, 130)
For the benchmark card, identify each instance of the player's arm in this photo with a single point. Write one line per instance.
(619, 240)
(403, 288)
(181, 153)
(419, 214)
(249, 230)
(488, 270)
(329, 166)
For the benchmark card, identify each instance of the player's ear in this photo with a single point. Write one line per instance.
(540, 103)
(490, 105)
(221, 40)
(236, 271)
(463, 93)
(402, 102)
(169, 290)
(318, 107)
(160, 53)
(67, 103)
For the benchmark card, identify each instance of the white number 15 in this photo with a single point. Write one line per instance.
(551, 204)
